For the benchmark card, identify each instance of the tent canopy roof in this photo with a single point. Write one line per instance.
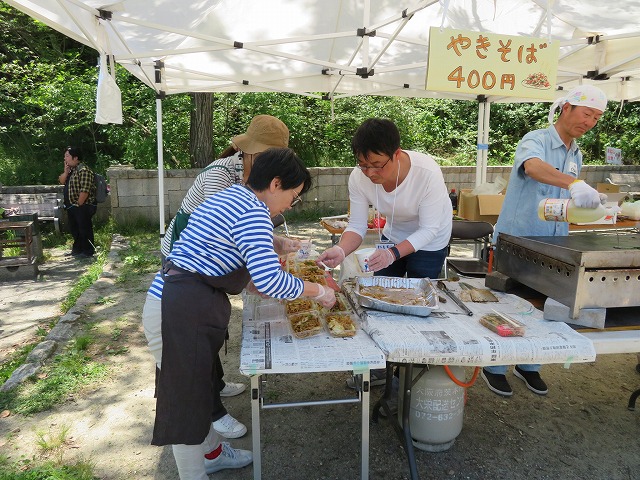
(338, 48)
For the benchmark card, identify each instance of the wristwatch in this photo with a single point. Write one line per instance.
(396, 252)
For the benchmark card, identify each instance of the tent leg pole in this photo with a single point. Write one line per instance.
(479, 137)
(160, 165)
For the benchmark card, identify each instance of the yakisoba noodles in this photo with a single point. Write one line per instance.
(298, 305)
(340, 324)
(305, 324)
(397, 296)
(339, 306)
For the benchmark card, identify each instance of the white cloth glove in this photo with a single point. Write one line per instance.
(284, 245)
(333, 256)
(603, 198)
(381, 258)
(583, 195)
(326, 297)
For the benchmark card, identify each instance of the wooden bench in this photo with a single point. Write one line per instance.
(628, 182)
(48, 206)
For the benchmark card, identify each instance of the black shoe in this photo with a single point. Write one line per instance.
(72, 254)
(392, 401)
(497, 383)
(532, 380)
(83, 255)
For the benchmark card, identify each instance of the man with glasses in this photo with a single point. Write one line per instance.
(408, 189)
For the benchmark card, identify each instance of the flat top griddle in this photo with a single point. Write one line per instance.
(592, 250)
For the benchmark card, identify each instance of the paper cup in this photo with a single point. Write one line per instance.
(362, 256)
(305, 248)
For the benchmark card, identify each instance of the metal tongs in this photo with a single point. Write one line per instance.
(452, 296)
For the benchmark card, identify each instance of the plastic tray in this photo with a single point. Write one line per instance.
(422, 285)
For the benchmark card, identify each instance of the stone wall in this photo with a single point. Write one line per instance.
(134, 193)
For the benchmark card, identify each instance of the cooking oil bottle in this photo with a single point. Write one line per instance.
(565, 210)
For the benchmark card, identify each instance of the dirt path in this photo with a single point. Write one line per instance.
(581, 430)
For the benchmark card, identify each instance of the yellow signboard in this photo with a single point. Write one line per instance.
(483, 63)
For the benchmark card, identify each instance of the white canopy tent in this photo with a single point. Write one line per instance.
(336, 48)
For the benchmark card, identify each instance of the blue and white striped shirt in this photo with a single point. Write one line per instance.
(227, 231)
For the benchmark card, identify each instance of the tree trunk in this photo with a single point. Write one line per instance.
(201, 130)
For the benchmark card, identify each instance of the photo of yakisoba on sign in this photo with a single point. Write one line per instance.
(537, 80)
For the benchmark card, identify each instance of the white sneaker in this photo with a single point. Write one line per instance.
(232, 389)
(229, 458)
(229, 427)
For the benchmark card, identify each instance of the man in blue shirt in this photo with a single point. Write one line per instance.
(547, 164)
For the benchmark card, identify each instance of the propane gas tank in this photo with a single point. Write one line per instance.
(437, 408)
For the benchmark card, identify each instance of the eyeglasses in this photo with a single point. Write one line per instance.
(296, 199)
(364, 168)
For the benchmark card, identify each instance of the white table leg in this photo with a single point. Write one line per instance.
(365, 426)
(255, 426)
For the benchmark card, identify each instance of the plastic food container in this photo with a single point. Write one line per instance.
(341, 305)
(340, 324)
(305, 324)
(502, 324)
(419, 289)
(268, 309)
(299, 305)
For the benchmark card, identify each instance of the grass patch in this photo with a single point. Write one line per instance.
(53, 443)
(103, 237)
(143, 253)
(105, 300)
(17, 359)
(67, 374)
(49, 470)
(52, 239)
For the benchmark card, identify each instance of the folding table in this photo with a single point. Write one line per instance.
(269, 346)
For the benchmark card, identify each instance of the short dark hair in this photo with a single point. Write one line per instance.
(74, 152)
(376, 135)
(282, 163)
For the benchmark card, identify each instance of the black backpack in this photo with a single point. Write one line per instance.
(101, 188)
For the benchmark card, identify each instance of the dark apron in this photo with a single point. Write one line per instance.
(195, 316)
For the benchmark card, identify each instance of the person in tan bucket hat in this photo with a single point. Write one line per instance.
(231, 168)
(264, 132)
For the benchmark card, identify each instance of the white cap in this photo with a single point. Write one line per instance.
(582, 96)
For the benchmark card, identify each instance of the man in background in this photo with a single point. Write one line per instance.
(79, 202)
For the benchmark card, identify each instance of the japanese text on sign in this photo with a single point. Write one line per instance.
(614, 156)
(490, 64)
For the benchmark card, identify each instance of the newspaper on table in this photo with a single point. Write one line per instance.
(451, 337)
(269, 346)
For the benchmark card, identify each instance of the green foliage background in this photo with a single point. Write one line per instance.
(47, 102)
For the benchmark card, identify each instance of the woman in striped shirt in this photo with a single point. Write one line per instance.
(229, 239)
(232, 168)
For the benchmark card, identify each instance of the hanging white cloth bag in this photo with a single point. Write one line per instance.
(108, 98)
